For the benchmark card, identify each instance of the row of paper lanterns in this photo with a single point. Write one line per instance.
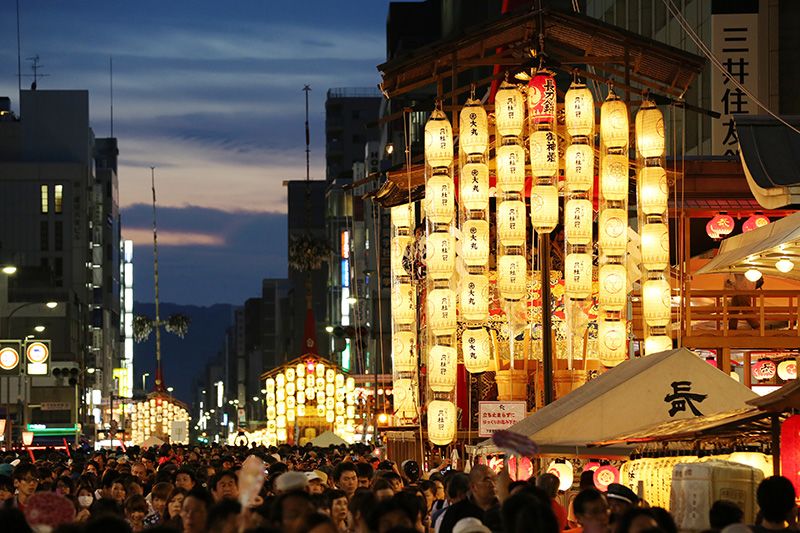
(154, 417)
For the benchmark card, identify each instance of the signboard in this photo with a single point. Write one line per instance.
(9, 358)
(55, 406)
(37, 353)
(735, 42)
(179, 432)
(494, 416)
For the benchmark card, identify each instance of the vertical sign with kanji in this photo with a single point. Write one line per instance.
(736, 45)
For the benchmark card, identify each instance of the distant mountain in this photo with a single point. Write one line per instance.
(182, 360)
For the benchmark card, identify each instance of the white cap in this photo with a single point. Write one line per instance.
(470, 525)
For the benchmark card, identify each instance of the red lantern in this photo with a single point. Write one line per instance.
(754, 222)
(710, 231)
(542, 97)
(721, 224)
(790, 450)
(764, 369)
(520, 469)
(605, 476)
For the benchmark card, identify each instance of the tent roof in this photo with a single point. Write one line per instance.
(635, 394)
(770, 154)
(329, 438)
(760, 248)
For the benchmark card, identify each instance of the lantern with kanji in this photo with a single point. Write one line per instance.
(578, 275)
(474, 297)
(403, 351)
(511, 223)
(473, 134)
(439, 199)
(438, 140)
(544, 208)
(442, 363)
(579, 161)
(754, 222)
(475, 242)
(578, 221)
(510, 168)
(650, 130)
(614, 122)
(542, 97)
(441, 307)
(440, 255)
(720, 226)
(544, 153)
(511, 276)
(441, 422)
(579, 110)
(475, 186)
(509, 110)
(475, 346)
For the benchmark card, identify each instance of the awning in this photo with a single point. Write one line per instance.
(760, 248)
(770, 154)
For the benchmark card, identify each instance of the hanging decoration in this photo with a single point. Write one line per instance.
(754, 222)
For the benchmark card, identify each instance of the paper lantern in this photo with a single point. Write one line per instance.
(613, 286)
(440, 255)
(510, 168)
(438, 140)
(579, 110)
(579, 167)
(655, 246)
(321, 410)
(787, 370)
(544, 208)
(404, 309)
(403, 216)
(711, 232)
(300, 383)
(753, 275)
(290, 390)
(404, 351)
(511, 223)
(650, 130)
(612, 342)
(290, 415)
(757, 460)
(542, 97)
(329, 417)
(784, 265)
(790, 450)
(441, 311)
(656, 302)
(604, 476)
(754, 222)
(290, 375)
(563, 471)
(475, 297)
(614, 127)
(578, 221)
(320, 370)
(441, 422)
(280, 408)
(764, 369)
(404, 398)
(612, 231)
(440, 199)
(330, 375)
(614, 177)
(578, 275)
(442, 363)
(350, 384)
(473, 134)
(511, 276)
(721, 225)
(653, 190)
(475, 242)
(657, 344)
(475, 347)
(280, 381)
(544, 153)
(475, 186)
(509, 110)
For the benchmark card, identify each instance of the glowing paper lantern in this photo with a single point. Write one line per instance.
(510, 168)
(544, 153)
(438, 140)
(475, 186)
(475, 346)
(404, 309)
(441, 422)
(511, 276)
(511, 223)
(605, 476)
(784, 265)
(612, 342)
(614, 122)
(542, 97)
(657, 344)
(579, 167)
(399, 246)
(562, 469)
(578, 221)
(442, 311)
(475, 297)
(650, 130)
(579, 110)
(755, 222)
(442, 362)
(544, 208)
(290, 375)
(473, 134)
(475, 242)
(613, 231)
(439, 199)
(656, 302)
(655, 246)
(578, 275)
(440, 255)
(614, 177)
(403, 216)
(653, 190)
(753, 275)
(404, 351)
(757, 460)
(613, 286)
(509, 110)
(721, 225)
(787, 370)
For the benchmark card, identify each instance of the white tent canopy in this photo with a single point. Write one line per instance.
(637, 393)
(329, 438)
(760, 248)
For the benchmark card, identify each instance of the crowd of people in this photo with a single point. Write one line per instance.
(333, 490)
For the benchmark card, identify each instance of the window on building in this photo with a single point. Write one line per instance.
(44, 199)
(44, 236)
(59, 198)
(59, 236)
(356, 114)
(58, 268)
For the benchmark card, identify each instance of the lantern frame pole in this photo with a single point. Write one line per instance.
(547, 326)
(775, 427)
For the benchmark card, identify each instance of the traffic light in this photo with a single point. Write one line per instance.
(69, 374)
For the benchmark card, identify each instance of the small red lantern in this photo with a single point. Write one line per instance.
(542, 97)
(764, 369)
(755, 222)
(790, 450)
(605, 476)
(722, 225)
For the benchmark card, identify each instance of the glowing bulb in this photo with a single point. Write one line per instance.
(784, 265)
(753, 275)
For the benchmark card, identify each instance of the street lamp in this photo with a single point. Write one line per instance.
(9, 270)
(144, 380)
(39, 329)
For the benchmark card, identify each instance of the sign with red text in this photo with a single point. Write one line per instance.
(494, 416)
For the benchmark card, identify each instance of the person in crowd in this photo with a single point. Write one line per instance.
(158, 503)
(364, 473)
(290, 481)
(139, 471)
(346, 478)
(194, 511)
(394, 480)
(776, 503)
(223, 516)
(84, 501)
(172, 510)
(637, 520)
(621, 499)
(290, 510)
(185, 478)
(360, 504)
(65, 486)
(317, 481)
(549, 484)
(389, 514)
(225, 485)
(26, 479)
(457, 489)
(6, 490)
(592, 512)
(586, 482)
(481, 501)
(337, 503)
(722, 514)
(135, 511)
(382, 489)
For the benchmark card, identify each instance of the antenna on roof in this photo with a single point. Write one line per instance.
(35, 66)
(19, 60)
(111, 89)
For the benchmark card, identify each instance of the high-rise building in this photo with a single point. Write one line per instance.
(60, 227)
(351, 115)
